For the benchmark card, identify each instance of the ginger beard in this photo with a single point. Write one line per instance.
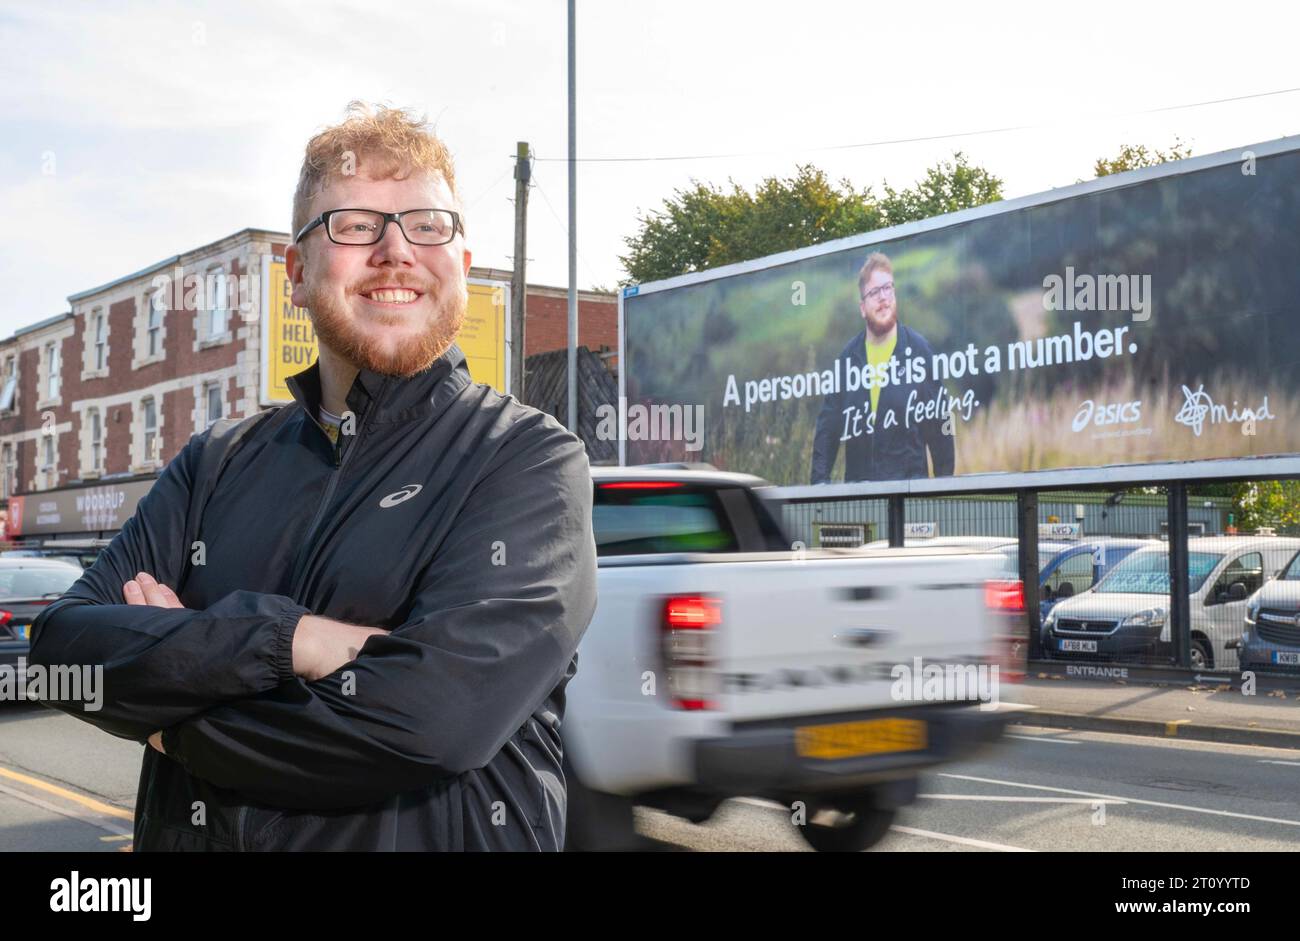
(351, 336)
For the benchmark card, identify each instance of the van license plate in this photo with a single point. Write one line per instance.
(869, 737)
(1289, 658)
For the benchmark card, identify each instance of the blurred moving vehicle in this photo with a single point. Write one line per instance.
(1127, 613)
(26, 586)
(1270, 636)
(722, 663)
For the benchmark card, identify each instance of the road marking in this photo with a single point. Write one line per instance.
(1171, 728)
(913, 831)
(1017, 800)
(1041, 738)
(1268, 761)
(89, 803)
(963, 840)
(110, 826)
(1128, 800)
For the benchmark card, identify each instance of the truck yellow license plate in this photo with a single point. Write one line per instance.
(869, 737)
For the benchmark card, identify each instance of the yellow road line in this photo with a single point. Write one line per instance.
(89, 803)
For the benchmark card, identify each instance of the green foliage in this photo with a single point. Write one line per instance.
(946, 187)
(1274, 503)
(1132, 157)
(704, 226)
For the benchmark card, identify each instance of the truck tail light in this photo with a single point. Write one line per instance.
(1005, 599)
(1005, 595)
(689, 623)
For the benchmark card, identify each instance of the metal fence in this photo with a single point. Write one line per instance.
(1164, 577)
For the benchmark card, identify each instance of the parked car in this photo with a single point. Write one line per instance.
(1126, 615)
(1270, 636)
(84, 558)
(1064, 568)
(26, 586)
(721, 663)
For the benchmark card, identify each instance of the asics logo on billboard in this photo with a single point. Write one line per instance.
(401, 496)
(1114, 413)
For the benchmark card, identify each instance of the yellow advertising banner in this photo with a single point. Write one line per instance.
(289, 339)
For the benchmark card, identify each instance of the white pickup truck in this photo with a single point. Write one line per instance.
(722, 662)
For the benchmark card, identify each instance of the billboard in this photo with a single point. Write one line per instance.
(1136, 327)
(289, 339)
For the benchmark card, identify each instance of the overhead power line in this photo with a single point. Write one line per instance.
(909, 140)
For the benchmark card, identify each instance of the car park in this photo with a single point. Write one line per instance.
(1126, 615)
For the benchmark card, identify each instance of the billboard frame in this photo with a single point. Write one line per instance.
(1204, 469)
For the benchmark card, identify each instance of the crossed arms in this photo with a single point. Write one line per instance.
(249, 695)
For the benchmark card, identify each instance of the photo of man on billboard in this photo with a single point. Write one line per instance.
(879, 445)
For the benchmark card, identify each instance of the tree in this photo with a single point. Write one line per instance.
(1274, 503)
(1132, 157)
(946, 187)
(704, 226)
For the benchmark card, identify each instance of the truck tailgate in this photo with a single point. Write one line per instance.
(823, 635)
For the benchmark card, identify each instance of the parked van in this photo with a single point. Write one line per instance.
(1126, 614)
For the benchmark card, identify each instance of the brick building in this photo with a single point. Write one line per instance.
(113, 389)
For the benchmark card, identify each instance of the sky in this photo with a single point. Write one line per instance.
(135, 131)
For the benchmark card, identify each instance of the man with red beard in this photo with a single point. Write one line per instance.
(883, 439)
(348, 623)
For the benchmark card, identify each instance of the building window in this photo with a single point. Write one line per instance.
(101, 341)
(9, 389)
(213, 394)
(7, 470)
(96, 441)
(52, 369)
(47, 465)
(218, 302)
(155, 330)
(150, 430)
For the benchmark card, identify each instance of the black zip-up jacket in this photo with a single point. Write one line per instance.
(893, 453)
(453, 516)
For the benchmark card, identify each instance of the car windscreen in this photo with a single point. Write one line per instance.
(1147, 573)
(36, 582)
(1292, 572)
(636, 520)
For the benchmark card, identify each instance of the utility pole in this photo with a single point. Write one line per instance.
(573, 228)
(518, 281)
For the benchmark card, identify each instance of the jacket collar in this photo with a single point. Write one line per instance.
(397, 399)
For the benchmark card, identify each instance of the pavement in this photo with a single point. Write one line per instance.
(1198, 711)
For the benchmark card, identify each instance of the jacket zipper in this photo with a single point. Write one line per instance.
(304, 554)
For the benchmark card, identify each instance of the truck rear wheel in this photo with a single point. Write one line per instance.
(848, 827)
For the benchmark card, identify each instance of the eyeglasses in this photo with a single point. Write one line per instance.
(885, 290)
(367, 226)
